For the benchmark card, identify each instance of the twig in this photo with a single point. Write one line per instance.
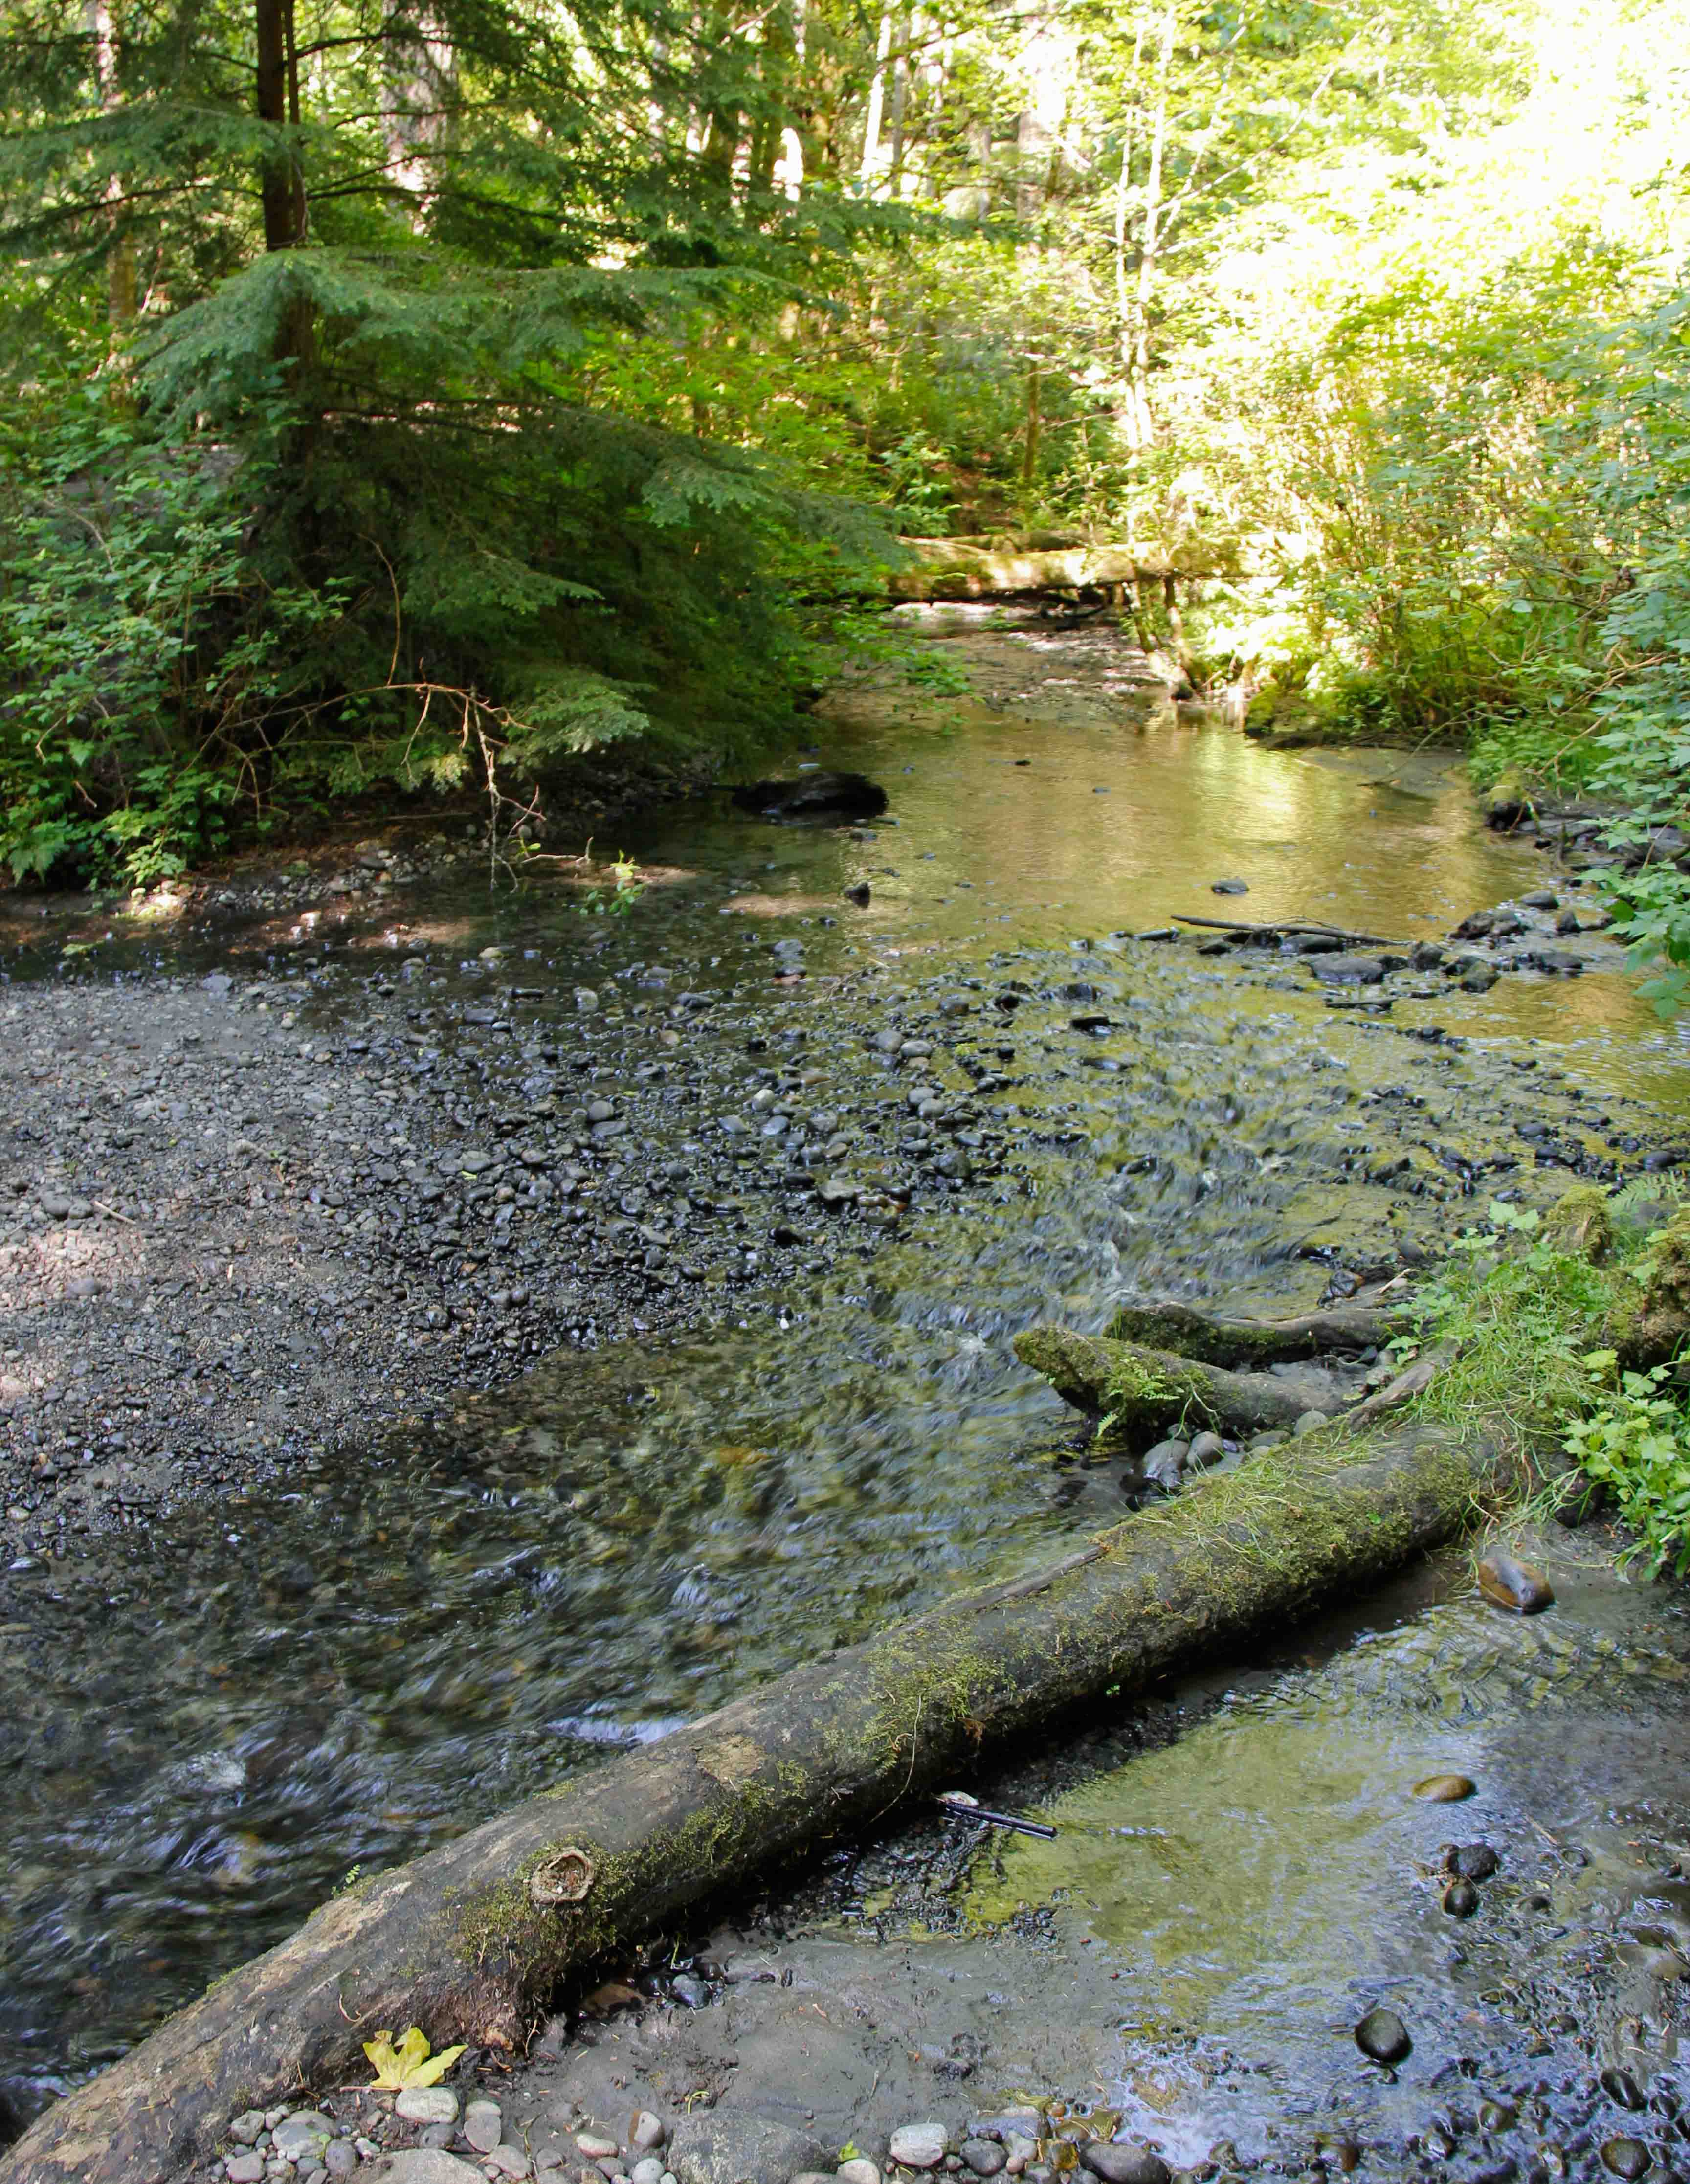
(100, 1206)
(1290, 925)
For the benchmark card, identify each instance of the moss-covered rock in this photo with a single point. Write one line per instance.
(1650, 1323)
(1582, 1224)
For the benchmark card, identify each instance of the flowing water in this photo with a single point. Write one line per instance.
(208, 1724)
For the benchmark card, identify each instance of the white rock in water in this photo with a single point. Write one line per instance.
(919, 2145)
(427, 2104)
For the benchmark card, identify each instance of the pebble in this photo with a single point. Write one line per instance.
(1118, 2162)
(1229, 886)
(1628, 2158)
(341, 2157)
(1444, 1789)
(1206, 1448)
(918, 2145)
(1461, 1899)
(1620, 2086)
(1474, 1861)
(245, 2128)
(648, 2171)
(596, 2146)
(244, 2168)
(647, 2130)
(1383, 2037)
(507, 2161)
(427, 2104)
(692, 1992)
(1310, 1422)
(1515, 1585)
(484, 2127)
(860, 2169)
(983, 2155)
(306, 2132)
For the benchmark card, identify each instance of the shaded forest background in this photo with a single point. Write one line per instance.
(425, 391)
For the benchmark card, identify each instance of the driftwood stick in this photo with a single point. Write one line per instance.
(1288, 925)
(471, 1940)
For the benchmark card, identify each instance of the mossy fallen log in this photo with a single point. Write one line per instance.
(1344, 1331)
(978, 568)
(1137, 1389)
(469, 1942)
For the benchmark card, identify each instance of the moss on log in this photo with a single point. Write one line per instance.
(1136, 1390)
(1344, 1331)
(469, 1942)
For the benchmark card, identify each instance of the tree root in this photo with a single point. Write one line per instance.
(1134, 1389)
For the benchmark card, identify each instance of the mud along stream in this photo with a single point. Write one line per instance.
(757, 1183)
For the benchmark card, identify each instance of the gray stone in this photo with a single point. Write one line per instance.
(427, 2104)
(1206, 1448)
(1310, 1422)
(305, 2133)
(1164, 1463)
(692, 1992)
(341, 2158)
(420, 2165)
(585, 998)
(984, 2156)
(1121, 2164)
(649, 2171)
(1348, 970)
(1383, 2037)
(245, 2129)
(597, 2145)
(859, 2170)
(508, 2161)
(918, 2145)
(742, 2149)
(647, 2130)
(484, 2126)
(244, 2168)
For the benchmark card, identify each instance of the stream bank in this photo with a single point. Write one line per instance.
(351, 1647)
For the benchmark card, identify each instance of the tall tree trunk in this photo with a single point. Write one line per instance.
(1135, 332)
(279, 191)
(877, 104)
(121, 286)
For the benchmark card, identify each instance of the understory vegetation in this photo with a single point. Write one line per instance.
(1565, 1336)
(420, 391)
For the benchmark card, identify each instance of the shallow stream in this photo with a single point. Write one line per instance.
(207, 1725)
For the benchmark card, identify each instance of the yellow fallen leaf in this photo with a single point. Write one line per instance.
(409, 2064)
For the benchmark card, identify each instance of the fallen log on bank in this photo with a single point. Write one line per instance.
(984, 568)
(469, 1942)
(1344, 1331)
(1137, 1389)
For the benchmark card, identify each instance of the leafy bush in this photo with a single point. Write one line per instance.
(1635, 1444)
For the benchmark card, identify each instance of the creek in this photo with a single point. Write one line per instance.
(215, 1719)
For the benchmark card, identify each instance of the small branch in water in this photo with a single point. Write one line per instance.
(1290, 925)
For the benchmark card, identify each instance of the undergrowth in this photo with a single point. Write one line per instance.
(1527, 1320)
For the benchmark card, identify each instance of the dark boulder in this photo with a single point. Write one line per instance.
(814, 796)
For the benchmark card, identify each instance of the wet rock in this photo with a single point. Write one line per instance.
(1349, 970)
(1475, 926)
(1477, 976)
(1426, 955)
(1461, 1899)
(743, 2149)
(859, 894)
(692, 1992)
(427, 2104)
(1207, 1448)
(1163, 1464)
(1541, 899)
(983, 2155)
(1628, 2158)
(1473, 1861)
(819, 795)
(1116, 2162)
(1515, 1585)
(1229, 887)
(1383, 2037)
(1444, 1789)
(1622, 2089)
(918, 2145)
